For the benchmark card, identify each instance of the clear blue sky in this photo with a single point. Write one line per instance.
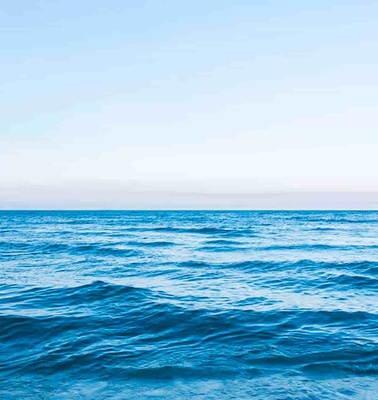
(226, 97)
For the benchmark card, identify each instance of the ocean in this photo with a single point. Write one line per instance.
(188, 305)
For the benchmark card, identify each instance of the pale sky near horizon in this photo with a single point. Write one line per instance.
(230, 97)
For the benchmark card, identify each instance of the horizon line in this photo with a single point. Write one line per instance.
(189, 210)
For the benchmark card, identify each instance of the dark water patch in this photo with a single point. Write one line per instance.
(97, 291)
(79, 221)
(220, 249)
(8, 230)
(35, 248)
(13, 246)
(93, 249)
(216, 231)
(156, 243)
(332, 368)
(350, 282)
(348, 273)
(367, 268)
(253, 301)
(223, 242)
(332, 218)
(194, 264)
(322, 229)
(305, 246)
(202, 230)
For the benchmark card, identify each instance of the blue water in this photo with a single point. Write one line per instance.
(188, 305)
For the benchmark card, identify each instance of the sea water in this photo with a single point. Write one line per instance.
(188, 305)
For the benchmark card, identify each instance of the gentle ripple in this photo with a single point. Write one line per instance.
(182, 305)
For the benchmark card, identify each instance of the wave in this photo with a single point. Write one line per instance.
(222, 242)
(360, 268)
(199, 230)
(312, 247)
(163, 331)
(332, 368)
(29, 248)
(350, 281)
(97, 291)
(157, 243)
(221, 249)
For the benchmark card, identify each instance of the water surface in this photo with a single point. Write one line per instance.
(188, 305)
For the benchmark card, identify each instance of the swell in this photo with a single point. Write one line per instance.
(305, 274)
(367, 268)
(350, 281)
(135, 248)
(360, 218)
(134, 298)
(222, 242)
(157, 243)
(208, 231)
(97, 291)
(29, 248)
(318, 246)
(130, 331)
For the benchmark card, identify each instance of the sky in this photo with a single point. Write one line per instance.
(188, 104)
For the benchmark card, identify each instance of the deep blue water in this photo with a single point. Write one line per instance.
(189, 305)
